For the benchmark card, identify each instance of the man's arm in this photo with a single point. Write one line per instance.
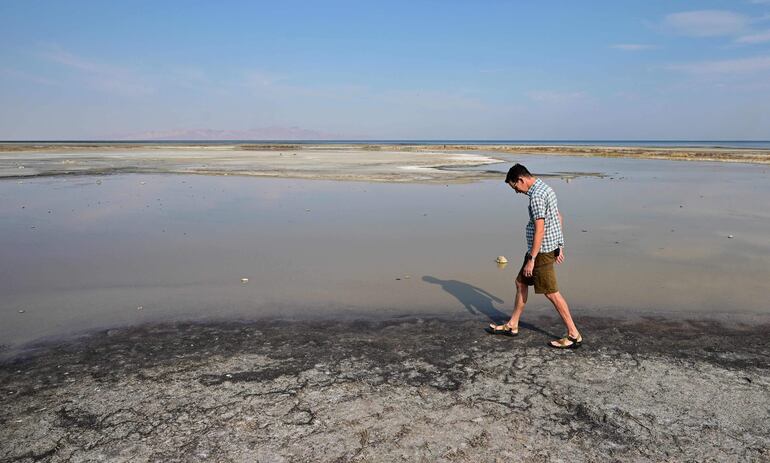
(560, 257)
(537, 241)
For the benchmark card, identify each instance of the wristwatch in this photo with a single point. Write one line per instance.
(528, 256)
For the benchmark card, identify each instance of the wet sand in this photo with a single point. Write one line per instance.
(401, 390)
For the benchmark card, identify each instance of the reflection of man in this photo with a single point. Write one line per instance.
(545, 242)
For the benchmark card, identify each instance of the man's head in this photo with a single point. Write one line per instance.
(519, 178)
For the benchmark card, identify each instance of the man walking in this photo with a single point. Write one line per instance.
(545, 242)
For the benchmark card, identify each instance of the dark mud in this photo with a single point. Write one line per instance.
(406, 390)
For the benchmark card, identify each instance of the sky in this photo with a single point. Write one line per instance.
(456, 70)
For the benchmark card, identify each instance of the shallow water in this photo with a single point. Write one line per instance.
(647, 237)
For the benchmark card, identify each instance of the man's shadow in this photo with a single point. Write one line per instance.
(478, 301)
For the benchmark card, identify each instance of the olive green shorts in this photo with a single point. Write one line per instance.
(543, 276)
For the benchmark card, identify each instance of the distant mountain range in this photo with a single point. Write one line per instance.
(265, 133)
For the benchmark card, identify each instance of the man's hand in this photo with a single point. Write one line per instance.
(560, 258)
(529, 267)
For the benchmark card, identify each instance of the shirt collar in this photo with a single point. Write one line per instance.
(534, 185)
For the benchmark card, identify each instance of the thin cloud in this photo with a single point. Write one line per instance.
(706, 23)
(632, 46)
(27, 77)
(102, 76)
(733, 66)
(431, 100)
(189, 77)
(551, 96)
(260, 80)
(760, 37)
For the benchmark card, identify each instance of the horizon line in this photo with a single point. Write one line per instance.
(385, 140)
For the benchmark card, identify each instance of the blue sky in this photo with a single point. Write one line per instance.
(387, 70)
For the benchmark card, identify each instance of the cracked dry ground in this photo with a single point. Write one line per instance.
(409, 390)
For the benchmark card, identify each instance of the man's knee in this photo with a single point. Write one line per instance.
(521, 287)
(553, 296)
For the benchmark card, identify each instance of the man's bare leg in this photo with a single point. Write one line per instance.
(561, 306)
(520, 301)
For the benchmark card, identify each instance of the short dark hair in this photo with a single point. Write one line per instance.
(516, 172)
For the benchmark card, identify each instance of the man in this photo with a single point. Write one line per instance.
(545, 242)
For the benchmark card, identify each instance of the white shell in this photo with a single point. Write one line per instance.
(501, 260)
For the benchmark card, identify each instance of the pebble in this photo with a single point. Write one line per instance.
(22, 311)
(501, 260)
(244, 280)
(730, 236)
(140, 308)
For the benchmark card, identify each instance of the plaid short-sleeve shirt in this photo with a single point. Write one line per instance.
(542, 205)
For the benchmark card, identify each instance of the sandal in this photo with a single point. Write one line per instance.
(503, 330)
(574, 343)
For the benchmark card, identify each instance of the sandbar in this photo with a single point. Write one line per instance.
(357, 162)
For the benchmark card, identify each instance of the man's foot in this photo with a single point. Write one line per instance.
(504, 330)
(567, 342)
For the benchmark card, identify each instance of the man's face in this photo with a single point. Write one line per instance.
(517, 186)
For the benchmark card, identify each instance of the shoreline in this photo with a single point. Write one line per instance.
(11, 351)
(389, 390)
